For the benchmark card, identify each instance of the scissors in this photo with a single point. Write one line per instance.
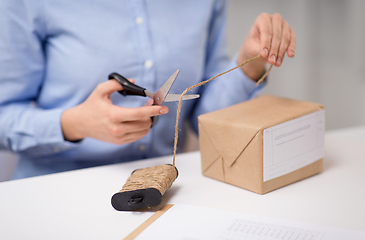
(162, 95)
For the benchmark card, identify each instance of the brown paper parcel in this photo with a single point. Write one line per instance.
(231, 142)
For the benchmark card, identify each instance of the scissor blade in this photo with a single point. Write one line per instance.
(149, 94)
(161, 94)
(176, 97)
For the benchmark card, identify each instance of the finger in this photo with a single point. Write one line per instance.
(264, 28)
(108, 87)
(131, 137)
(149, 102)
(293, 42)
(123, 128)
(277, 25)
(136, 126)
(284, 44)
(135, 114)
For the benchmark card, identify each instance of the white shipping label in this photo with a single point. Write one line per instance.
(294, 144)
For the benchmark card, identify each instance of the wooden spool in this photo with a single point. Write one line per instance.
(145, 188)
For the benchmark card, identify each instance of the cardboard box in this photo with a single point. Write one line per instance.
(263, 144)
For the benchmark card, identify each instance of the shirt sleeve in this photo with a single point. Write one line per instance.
(24, 127)
(226, 90)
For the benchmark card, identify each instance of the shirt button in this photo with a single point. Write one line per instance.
(148, 64)
(139, 20)
(142, 147)
(56, 150)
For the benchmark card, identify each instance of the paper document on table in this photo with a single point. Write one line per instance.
(292, 145)
(186, 222)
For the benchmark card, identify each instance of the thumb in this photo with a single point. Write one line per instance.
(108, 87)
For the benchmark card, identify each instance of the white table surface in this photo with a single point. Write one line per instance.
(76, 204)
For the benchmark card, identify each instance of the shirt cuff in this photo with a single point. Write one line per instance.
(251, 86)
(47, 133)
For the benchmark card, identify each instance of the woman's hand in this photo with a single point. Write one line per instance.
(97, 117)
(270, 36)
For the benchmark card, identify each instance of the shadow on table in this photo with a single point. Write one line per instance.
(165, 199)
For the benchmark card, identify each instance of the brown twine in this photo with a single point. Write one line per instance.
(160, 177)
(202, 83)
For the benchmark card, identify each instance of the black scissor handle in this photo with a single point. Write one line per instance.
(154, 120)
(131, 89)
(128, 87)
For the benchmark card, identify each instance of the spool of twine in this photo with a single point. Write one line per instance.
(145, 188)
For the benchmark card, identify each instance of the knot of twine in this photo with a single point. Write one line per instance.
(202, 83)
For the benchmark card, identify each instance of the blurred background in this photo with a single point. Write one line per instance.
(328, 67)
